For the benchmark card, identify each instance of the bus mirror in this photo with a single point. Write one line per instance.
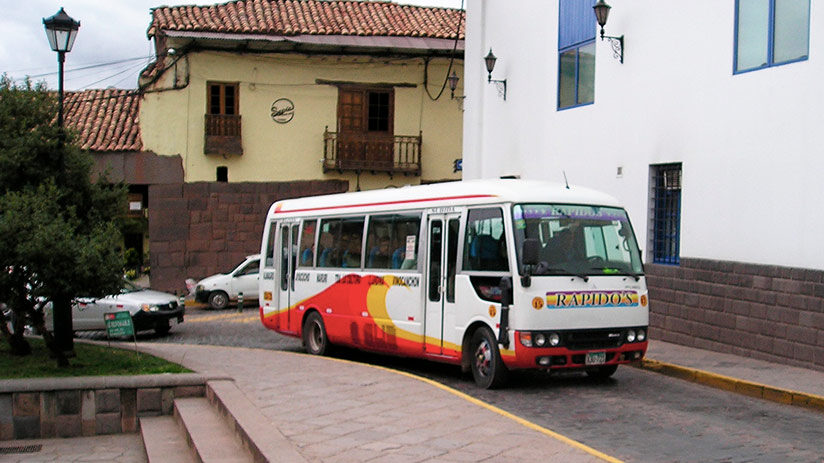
(529, 251)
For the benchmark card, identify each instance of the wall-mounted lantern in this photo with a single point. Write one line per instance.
(490, 60)
(601, 14)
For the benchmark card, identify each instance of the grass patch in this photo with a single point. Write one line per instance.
(91, 360)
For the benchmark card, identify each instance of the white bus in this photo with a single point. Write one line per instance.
(491, 275)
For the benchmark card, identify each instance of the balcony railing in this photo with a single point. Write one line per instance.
(363, 152)
(222, 134)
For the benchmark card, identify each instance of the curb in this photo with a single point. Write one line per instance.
(739, 386)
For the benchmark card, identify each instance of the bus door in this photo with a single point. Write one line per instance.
(286, 273)
(441, 262)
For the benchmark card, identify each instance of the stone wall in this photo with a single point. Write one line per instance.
(199, 229)
(88, 406)
(762, 311)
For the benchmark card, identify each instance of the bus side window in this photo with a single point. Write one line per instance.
(270, 246)
(485, 241)
(329, 253)
(307, 244)
(392, 241)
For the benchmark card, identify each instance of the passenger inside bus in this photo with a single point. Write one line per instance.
(351, 254)
(379, 255)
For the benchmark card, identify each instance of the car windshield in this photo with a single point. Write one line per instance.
(578, 240)
(235, 267)
(129, 287)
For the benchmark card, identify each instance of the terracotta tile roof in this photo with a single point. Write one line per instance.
(313, 17)
(104, 120)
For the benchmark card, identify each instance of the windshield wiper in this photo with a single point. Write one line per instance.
(614, 271)
(544, 269)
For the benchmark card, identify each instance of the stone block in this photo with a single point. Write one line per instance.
(167, 401)
(68, 426)
(128, 410)
(26, 404)
(68, 402)
(148, 401)
(27, 427)
(107, 423)
(87, 413)
(107, 401)
(48, 414)
(6, 417)
(189, 391)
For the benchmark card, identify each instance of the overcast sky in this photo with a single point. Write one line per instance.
(111, 31)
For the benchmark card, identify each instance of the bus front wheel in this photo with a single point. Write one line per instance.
(488, 369)
(314, 335)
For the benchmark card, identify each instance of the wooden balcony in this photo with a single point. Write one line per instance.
(222, 134)
(399, 154)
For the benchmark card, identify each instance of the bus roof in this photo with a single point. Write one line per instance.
(467, 192)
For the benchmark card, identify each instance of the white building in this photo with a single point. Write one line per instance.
(706, 131)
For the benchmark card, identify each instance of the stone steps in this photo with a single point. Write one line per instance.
(208, 434)
(223, 427)
(164, 440)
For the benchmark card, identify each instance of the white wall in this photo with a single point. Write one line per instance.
(751, 161)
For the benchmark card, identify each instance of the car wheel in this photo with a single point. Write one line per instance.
(488, 369)
(218, 300)
(315, 340)
(162, 327)
(601, 373)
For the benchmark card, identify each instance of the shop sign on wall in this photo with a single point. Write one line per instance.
(283, 110)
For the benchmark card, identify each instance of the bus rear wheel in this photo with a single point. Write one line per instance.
(315, 340)
(488, 369)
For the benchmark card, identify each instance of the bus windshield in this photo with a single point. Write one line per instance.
(578, 240)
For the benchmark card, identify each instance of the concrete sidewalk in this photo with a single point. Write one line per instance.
(331, 410)
(338, 411)
(756, 378)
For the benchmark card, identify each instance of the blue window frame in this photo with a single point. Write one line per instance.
(770, 33)
(576, 53)
(665, 241)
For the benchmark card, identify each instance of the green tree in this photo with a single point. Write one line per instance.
(59, 233)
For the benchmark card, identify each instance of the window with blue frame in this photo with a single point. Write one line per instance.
(770, 33)
(576, 53)
(665, 192)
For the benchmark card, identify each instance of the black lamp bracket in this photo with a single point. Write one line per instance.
(617, 44)
(500, 85)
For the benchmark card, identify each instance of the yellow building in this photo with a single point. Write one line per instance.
(261, 100)
(283, 90)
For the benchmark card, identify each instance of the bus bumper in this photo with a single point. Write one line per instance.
(552, 358)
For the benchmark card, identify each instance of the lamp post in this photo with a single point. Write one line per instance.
(61, 30)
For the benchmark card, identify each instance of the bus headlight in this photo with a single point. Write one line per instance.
(641, 336)
(539, 339)
(554, 339)
(526, 338)
(630, 335)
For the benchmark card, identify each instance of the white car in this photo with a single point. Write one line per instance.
(221, 289)
(150, 310)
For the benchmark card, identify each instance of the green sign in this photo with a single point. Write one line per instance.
(119, 324)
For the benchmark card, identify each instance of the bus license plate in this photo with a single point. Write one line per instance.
(595, 358)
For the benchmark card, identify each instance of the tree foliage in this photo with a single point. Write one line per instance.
(59, 232)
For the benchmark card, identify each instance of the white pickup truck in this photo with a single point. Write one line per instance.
(222, 289)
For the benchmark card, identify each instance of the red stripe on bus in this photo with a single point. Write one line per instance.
(447, 198)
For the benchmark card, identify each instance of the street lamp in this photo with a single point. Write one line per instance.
(601, 10)
(61, 30)
(490, 59)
